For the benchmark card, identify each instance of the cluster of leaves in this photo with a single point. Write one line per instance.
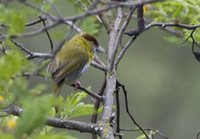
(177, 11)
(74, 106)
(15, 88)
(12, 19)
(37, 105)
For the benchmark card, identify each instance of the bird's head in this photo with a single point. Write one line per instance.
(94, 43)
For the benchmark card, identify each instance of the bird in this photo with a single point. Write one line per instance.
(72, 60)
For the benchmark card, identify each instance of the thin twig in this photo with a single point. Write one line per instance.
(98, 66)
(48, 35)
(124, 49)
(164, 25)
(34, 22)
(89, 92)
(127, 109)
(20, 45)
(34, 33)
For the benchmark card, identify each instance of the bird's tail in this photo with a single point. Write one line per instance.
(57, 88)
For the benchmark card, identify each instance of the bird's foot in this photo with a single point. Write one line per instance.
(76, 85)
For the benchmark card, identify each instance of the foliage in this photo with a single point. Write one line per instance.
(176, 11)
(38, 104)
(13, 19)
(90, 24)
(15, 88)
(75, 107)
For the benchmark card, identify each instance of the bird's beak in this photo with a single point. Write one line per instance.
(99, 49)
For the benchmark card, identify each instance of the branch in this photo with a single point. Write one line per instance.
(165, 29)
(98, 66)
(34, 33)
(107, 133)
(127, 109)
(112, 47)
(92, 94)
(96, 106)
(164, 25)
(60, 123)
(124, 49)
(48, 35)
(68, 20)
(130, 3)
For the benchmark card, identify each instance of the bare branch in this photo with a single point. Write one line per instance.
(34, 22)
(20, 45)
(124, 49)
(96, 106)
(164, 25)
(92, 94)
(112, 48)
(48, 35)
(110, 79)
(127, 109)
(98, 66)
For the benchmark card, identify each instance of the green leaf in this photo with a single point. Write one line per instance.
(16, 23)
(11, 64)
(34, 115)
(141, 137)
(82, 110)
(13, 19)
(74, 107)
(77, 97)
(91, 25)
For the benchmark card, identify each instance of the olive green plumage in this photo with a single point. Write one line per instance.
(72, 60)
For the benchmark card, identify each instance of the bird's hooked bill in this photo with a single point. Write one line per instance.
(100, 49)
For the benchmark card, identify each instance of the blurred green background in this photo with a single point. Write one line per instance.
(162, 80)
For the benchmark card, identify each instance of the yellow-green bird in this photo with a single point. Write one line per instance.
(72, 60)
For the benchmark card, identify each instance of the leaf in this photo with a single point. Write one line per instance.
(74, 107)
(141, 137)
(16, 23)
(77, 97)
(11, 64)
(91, 25)
(34, 116)
(82, 110)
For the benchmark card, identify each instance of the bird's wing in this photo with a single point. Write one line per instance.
(69, 64)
